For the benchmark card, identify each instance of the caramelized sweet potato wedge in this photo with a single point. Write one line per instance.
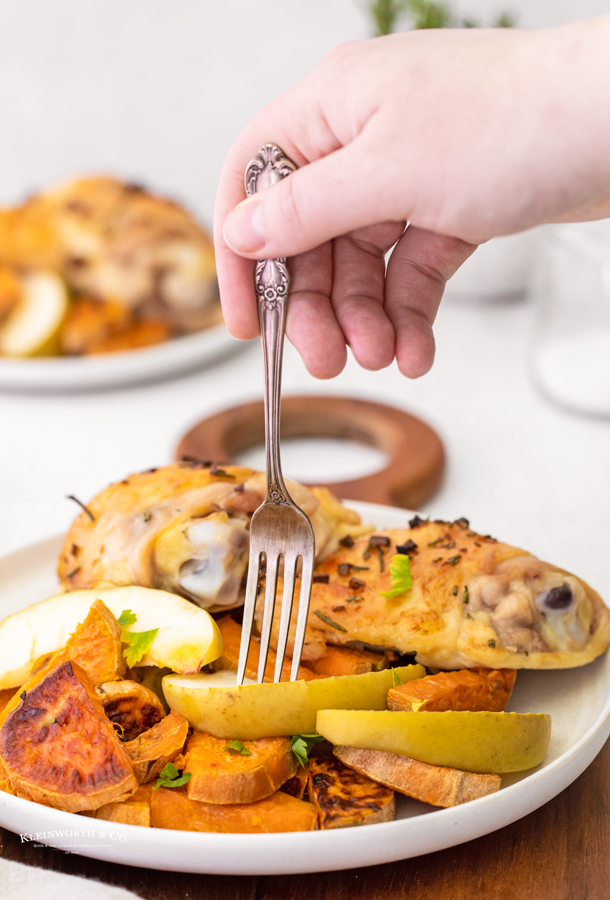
(222, 775)
(153, 749)
(231, 636)
(5, 786)
(346, 661)
(95, 645)
(131, 706)
(438, 785)
(58, 747)
(297, 785)
(134, 811)
(171, 808)
(343, 797)
(475, 690)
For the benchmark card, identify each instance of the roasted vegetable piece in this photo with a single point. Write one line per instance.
(231, 636)
(468, 689)
(223, 775)
(59, 748)
(153, 749)
(6, 696)
(171, 808)
(212, 703)
(134, 811)
(297, 785)
(131, 706)
(91, 320)
(5, 786)
(488, 742)
(438, 785)
(96, 646)
(346, 661)
(344, 797)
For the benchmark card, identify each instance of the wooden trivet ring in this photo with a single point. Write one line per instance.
(416, 455)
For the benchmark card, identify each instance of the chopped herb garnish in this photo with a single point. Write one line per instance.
(400, 573)
(346, 568)
(448, 546)
(74, 572)
(396, 679)
(416, 522)
(221, 473)
(407, 547)
(302, 745)
(437, 541)
(127, 618)
(491, 643)
(321, 578)
(238, 747)
(527, 653)
(50, 721)
(466, 594)
(462, 522)
(455, 590)
(194, 461)
(138, 645)
(367, 553)
(381, 559)
(438, 559)
(353, 600)
(452, 560)
(320, 615)
(147, 515)
(347, 541)
(170, 778)
(82, 506)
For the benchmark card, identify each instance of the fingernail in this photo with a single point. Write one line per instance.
(243, 228)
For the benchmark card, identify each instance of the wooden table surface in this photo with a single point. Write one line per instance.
(559, 852)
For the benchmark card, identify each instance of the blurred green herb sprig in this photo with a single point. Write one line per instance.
(425, 14)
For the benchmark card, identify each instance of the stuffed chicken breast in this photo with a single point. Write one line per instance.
(473, 601)
(185, 528)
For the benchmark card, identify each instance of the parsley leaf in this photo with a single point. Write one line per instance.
(237, 747)
(400, 573)
(302, 744)
(127, 617)
(396, 680)
(171, 777)
(50, 721)
(138, 645)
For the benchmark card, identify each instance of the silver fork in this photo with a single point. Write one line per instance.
(278, 527)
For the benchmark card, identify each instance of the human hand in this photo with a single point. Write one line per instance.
(467, 134)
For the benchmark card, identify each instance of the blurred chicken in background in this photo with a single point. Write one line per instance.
(98, 265)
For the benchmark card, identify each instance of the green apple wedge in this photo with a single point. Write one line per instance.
(188, 637)
(214, 704)
(484, 742)
(32, 327)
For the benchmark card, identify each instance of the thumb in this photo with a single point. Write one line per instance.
(332, 196)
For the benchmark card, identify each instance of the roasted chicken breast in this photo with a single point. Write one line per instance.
(113, 240)
(184, 528)
(473, 602)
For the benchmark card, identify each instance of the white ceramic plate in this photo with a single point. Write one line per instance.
(115, 369)
(578, 700)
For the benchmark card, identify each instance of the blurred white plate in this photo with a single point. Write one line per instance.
(70, 373)
(578, 700)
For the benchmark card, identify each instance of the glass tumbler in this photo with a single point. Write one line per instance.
(572, 335)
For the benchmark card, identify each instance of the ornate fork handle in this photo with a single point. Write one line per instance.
(272, 281)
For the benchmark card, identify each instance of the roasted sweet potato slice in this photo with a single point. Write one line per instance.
(95, 645)
(153, 749)
(438, 785)
(477, 690)
(343, 797)
(5, 786)
(221, 775)
(134, 811)
(231, 636)
(345, 661)
(171, 808)
(59, 748)
(131, 706)
(297, 785)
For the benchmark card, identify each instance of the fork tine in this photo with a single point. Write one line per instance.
(290, 565)
(249, 608)
(304, 600)
(270, 591)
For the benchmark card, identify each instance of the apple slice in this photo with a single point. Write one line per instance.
(188, 638)
(32, 327)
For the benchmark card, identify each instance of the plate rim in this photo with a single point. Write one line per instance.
(305, 852)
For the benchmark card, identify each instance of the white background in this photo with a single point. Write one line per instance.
(156, 90)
